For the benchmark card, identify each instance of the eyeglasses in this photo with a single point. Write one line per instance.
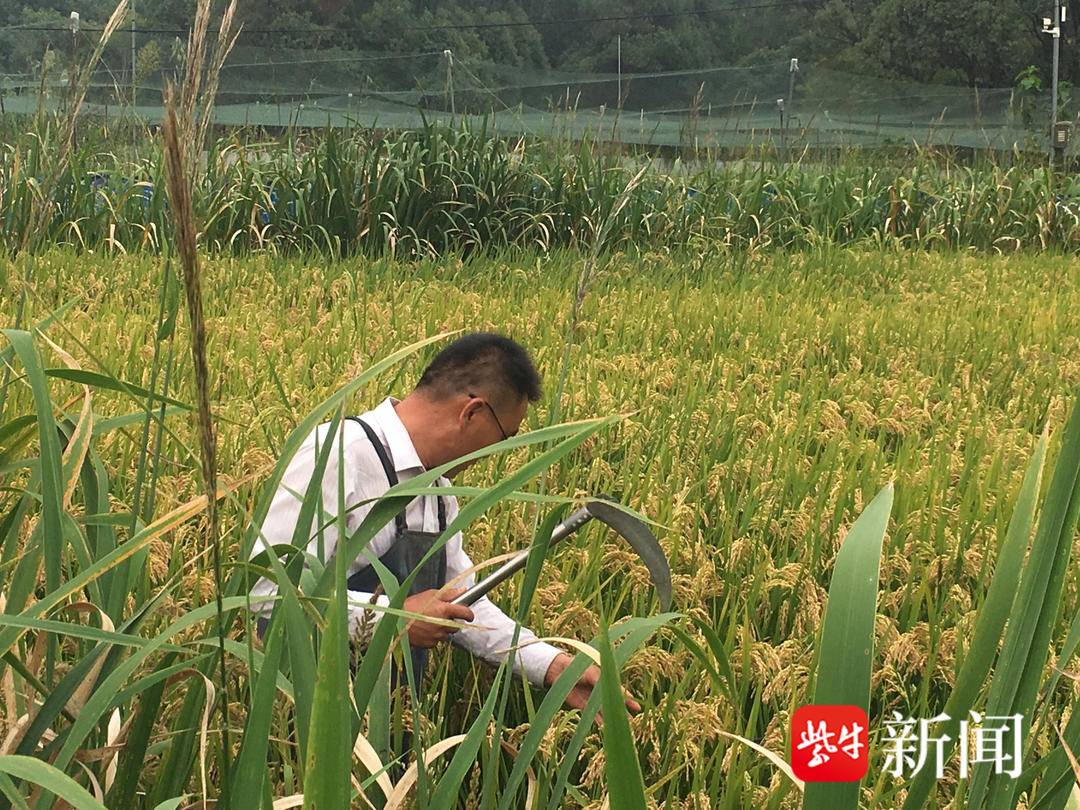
(494, 415)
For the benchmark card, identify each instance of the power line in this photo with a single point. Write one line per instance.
(333, 60)
(562, 81)
(566, 79)
(611, 77)
(657, 15)
(485, 88)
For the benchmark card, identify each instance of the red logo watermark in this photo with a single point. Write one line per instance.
(829, 743)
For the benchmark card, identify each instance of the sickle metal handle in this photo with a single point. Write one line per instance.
(512, 566)
(635, 532)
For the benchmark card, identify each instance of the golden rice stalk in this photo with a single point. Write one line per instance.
(7, 689)
(1072, 761)
(401, 790)
(774, 758)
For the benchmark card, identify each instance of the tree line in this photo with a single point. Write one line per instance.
(978, 43)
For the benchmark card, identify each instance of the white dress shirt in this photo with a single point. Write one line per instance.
(364, 480)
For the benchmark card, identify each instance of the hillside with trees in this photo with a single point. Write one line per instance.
(972, 44)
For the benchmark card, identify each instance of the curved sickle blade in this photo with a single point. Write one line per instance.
(643, 541)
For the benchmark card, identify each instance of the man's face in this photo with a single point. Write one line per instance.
(482, 422)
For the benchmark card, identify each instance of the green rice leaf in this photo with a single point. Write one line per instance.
(249, 774)
(51, 487)
(51, 779)
(1035, 611)
(448, 789)
(105, 382)
(329, 754)
(624, 781)
(847, 635)
(991, 621)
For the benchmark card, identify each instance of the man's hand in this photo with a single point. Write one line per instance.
(438, 604)
(579, 695)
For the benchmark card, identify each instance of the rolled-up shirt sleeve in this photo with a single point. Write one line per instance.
(493, 645)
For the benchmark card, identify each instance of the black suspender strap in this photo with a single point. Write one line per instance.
(391, 476)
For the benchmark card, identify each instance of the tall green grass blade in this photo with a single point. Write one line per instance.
(119, 422)
(7, 353)
(132, 758)
(9, 528)
(16, 433)
(51, 487)
(329, 755)
(249, 774)
(704, 658)
(636, 632)
(1035, 611)
(626, 787)
(1059, 791)
(1068, 650)
(22, 581)
(446, 795)
(378, 715)
(633, 632)
(107, 383)
(179, 758)
(51, 779)
(1059, 779)
(75, 540)
(847, 635)
(537, 555)
(990, 623)
(297, 630)
(74, 630)
(171, 291)
(720, 655)
(14, 797)
(101, 536)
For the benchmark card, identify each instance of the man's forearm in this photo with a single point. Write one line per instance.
(531, 657)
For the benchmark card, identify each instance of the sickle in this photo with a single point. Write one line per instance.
(634, 531)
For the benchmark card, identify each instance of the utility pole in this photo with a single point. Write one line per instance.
(1052, 26)
(133, 90)
(618, 98)
(1054, 91)
(783, 127)
(450, 79)
(793, 68)
(73, 24)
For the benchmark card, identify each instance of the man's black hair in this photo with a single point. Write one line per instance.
(483, 361)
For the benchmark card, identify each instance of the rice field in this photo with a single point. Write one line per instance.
(755, 403)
